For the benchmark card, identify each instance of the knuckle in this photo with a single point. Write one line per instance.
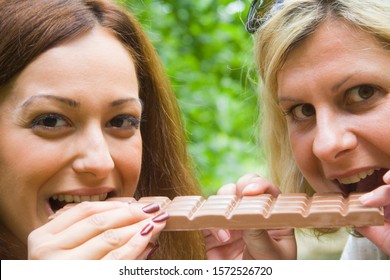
(111, 237)
(97, 220)
(247, 178)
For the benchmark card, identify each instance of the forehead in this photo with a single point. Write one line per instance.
(331, 37)
(93, 62)
(335, 47)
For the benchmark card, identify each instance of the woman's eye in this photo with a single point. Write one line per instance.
(360, 93)
(124, 122)
(50, 121)
(302, 111)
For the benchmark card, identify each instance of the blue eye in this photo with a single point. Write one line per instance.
(50, 121)
(124, 122)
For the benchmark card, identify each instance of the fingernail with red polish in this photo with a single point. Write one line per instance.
(161, 217)
(152, 250)
(151, 208)
(147, 229)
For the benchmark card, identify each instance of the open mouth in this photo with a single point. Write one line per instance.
(362, 182)
(59, 201)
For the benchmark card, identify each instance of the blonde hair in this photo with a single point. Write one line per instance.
(284, 27)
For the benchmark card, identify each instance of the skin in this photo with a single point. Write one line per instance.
(69, 125)
(250, 244)
(334, 89)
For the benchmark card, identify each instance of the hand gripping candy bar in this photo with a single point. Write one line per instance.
(266, 212)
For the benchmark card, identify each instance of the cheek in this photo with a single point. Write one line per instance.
(128, 161)
(302, 149)
(22, 171)
(24, 162)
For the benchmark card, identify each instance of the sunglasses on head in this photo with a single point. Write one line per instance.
(257, 13)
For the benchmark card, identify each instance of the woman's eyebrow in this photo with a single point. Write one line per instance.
(64, 100)
(126, 100)
(285, 99)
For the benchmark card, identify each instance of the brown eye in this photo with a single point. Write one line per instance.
(49, 121)
(124, 122)
(303, 111)
(360, 93)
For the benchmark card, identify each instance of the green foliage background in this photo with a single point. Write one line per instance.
(208, 56)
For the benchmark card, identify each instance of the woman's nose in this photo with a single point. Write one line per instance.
(93, 154)
(333, 137)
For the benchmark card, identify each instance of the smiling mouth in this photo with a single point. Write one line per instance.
(363, 182)
(59, 201)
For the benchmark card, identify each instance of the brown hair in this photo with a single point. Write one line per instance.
(29, 28)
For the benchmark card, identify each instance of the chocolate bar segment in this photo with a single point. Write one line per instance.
(266, 212)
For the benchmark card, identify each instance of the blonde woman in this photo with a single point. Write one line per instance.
(325, 99)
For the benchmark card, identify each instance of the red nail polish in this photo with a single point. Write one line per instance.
(147, 229)
(151, 208)
(161, 217)
(152, 250)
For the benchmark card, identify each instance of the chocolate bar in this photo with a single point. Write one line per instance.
(266, 212)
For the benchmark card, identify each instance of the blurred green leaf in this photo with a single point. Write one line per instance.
(208, 56)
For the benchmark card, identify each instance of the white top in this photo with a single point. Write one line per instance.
(360, 248)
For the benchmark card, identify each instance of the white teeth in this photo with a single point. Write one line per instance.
(356, 178)
(85, 198)
(103, 196)
(77, 198)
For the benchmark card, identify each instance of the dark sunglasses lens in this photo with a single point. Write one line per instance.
(256, 14)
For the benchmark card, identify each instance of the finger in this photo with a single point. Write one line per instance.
(258, 188)
(113, 243)
(252, 184)
(101, 245)
(223, 235)
(247, 179)
(220, 235)
(377, 197)
(122, 199)
(61, 211)
(149, 251)
(138, 246)
(228, 189)
(79, 212)
(83, 230)
(270, 244)
(231, 251)
(386, 177)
